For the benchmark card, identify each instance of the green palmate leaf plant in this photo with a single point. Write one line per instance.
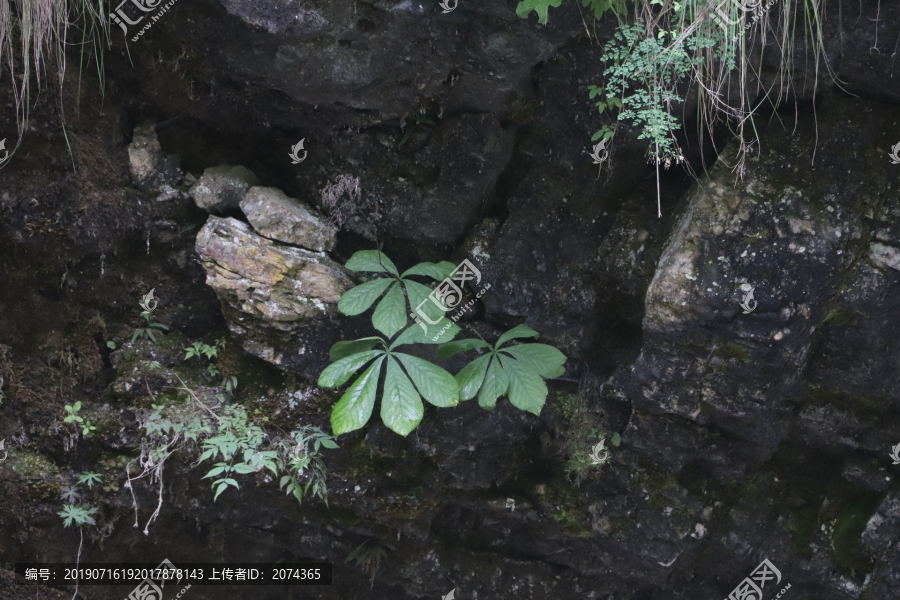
(78, 515)
(407, 379)
(399, 294)
(517, 371)
(402, 380)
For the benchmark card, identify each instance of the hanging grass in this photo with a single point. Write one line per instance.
(34, 39)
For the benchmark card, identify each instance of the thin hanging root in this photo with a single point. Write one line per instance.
(658, 197)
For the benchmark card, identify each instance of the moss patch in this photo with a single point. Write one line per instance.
(41, 476)
(732, 351)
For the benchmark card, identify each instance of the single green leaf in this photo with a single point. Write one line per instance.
(470, 378)
(337, 374)
(450, 348)
(214, 472)
(244, 468)
(390, 314)
(372, 261)
(435, 384)
(358, 300)
(437, 271)
(519, 331)
(354, 408)
(401, 406)
(616, 439)
(495, 385)
(329, 444)
(539, 6)
(527, 390)
(346, 348)
(542, 359)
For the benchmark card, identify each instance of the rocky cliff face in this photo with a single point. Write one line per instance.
(745, 435)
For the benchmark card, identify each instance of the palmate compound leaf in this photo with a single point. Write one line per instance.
(516, 371)
(407, 380)
(390, 315)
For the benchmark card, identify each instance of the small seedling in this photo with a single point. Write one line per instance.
(73, 417)
(90, 478)
(70, 494)
(79, 515)
(148, 303)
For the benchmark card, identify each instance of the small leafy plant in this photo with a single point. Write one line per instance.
(420, 123)
(241, 446)
(70, 494)
(200, 350)
(150, 327)
(77, 515)
(369, 555)
(90, 478)
(73, 417)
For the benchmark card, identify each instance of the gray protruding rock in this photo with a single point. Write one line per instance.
(150, 168)
(885, 256)
(222, 188)
(275, 215)
(279, 301)
(279, 285)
